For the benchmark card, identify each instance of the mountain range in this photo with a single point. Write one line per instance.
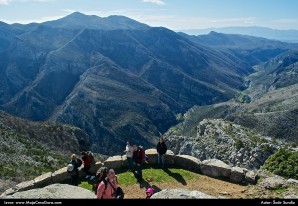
(118, 79)
(272, 107)
(290, 35)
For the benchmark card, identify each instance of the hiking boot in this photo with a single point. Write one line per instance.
(87, 176)
(92, 177)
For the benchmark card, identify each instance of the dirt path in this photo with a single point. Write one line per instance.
(210, 186)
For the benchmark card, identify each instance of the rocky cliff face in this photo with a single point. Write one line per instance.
(228, 142)
(29, 148)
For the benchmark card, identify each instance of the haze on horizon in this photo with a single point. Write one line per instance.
(173, 14)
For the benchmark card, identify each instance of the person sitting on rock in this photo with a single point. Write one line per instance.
(87, 161)
(75, 163)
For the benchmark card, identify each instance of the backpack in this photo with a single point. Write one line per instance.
(92, 158)
(70, 169)
(143, 155)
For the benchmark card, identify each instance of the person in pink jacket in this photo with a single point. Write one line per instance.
(108, 191)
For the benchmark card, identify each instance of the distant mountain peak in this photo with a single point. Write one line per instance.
(78, 20)
(77, 13)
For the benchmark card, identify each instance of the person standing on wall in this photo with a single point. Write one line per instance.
(129, 152)
(161, 148)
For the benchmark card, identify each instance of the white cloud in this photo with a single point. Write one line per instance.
(285, 21)
(158, 2)
(28, 1)
(248, 20)
(69, 10)
(4, 2)
(37, 20)
(41, 0)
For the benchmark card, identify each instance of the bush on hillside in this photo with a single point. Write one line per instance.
(284, 163)
(239, 144)
(243, 98)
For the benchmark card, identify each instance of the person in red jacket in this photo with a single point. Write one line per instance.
(88, 160)
(138, 158)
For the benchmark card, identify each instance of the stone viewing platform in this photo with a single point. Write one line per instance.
(211, 167)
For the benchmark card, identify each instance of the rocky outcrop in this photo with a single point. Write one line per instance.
(115, 162)
(215, 168)
(274, 182)
(237, 174)
(251, 177)
(292, 181)
(152, 156)
(181, 194)
(225, 141)
(188, 162)
(54, 191)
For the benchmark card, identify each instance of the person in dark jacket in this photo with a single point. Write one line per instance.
(161, 151)
(76, 163)
(138, 158)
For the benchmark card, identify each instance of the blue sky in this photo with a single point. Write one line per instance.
(173, 14)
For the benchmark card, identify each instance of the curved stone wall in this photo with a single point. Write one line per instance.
(212, 167)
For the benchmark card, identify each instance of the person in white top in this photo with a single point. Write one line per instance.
(129, 151)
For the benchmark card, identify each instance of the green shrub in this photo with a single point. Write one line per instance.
(239, 144)
(266, 148)
(243, 98)
(284, 163)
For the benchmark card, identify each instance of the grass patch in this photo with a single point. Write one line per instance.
(86, 185)
(156, 175)
(280, 191)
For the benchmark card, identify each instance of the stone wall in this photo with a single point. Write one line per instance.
(212, 167)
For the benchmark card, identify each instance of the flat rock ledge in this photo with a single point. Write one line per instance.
(54, 191)
(181, 194)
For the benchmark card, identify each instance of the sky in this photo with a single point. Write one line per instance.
(173, 14)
